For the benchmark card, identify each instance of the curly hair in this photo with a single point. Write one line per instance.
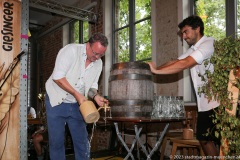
(194, 22)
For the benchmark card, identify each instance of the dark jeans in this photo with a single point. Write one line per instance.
(57, 117)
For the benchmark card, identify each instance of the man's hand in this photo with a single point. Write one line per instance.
(100, 100)
(152, 66)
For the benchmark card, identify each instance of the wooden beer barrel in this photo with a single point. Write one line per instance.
(131, 90)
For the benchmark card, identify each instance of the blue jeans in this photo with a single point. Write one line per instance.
(57, 117)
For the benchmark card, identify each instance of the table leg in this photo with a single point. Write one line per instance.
(159, 140)
(139, 140)
(124, 144)
(156, 145)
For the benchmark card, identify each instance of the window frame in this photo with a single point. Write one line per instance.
(132, 31)
(81, 31)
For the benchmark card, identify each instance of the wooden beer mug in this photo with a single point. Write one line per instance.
(89, 112)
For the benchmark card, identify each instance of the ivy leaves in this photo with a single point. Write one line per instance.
(226, 57)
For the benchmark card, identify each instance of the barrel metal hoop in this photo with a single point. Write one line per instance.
(131, 114)
(130, 65)
(130, 77)
(130, 102)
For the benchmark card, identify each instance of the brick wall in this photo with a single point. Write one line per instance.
(49, 46)
(101, 138)
(98, 9)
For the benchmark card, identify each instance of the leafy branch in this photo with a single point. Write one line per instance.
(226, 57)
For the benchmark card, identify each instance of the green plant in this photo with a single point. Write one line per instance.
(226, 57)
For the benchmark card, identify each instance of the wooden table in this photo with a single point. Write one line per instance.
(34, 121)
(138, 127)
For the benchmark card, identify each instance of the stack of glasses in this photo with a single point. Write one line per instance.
(168, 107)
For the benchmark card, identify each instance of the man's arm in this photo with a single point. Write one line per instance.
(167, 64)
(64, 84)
(174, 66)
(93, 94)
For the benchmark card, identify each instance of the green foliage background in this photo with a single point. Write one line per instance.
(143, 30)
(213, 14)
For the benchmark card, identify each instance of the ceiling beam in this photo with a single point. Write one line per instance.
(57, 26)
(64, 10)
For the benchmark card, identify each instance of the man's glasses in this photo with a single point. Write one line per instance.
(97, 54)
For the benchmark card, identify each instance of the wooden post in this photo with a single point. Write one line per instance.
(234, 93)
(10, 40)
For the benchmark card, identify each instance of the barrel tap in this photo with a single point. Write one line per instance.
(105, 107)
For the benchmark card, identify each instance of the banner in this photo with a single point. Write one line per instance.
(10, 40)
